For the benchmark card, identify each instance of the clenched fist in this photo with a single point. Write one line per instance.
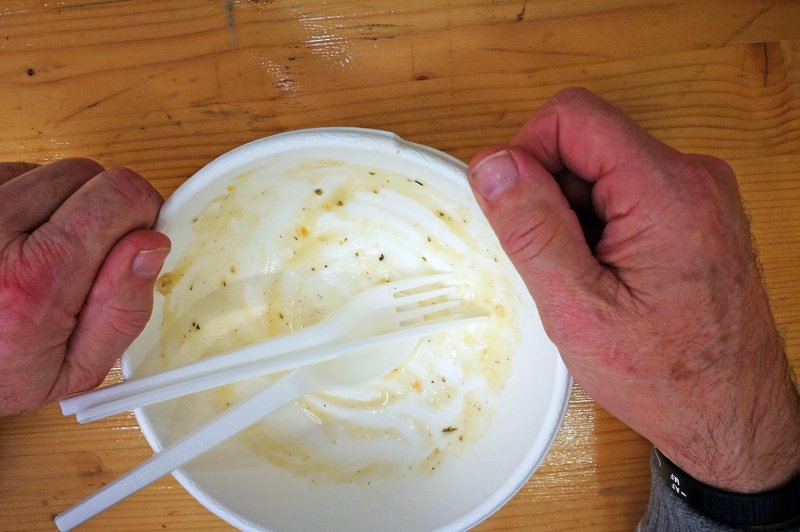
(78, 261)
(640, 261)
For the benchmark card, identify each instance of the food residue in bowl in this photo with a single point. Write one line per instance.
(280, 247)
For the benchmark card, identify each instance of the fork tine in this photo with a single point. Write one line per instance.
(408, 299)
(419, 312)
(418, 282)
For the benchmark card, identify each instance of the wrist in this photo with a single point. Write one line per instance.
(746, 439)
(749, 449)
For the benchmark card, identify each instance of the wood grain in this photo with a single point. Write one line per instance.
(164, 87)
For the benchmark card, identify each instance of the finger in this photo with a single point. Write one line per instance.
(9, 171)
(76, 239)
(580, 132)
(31, 198)
(578, 193)
(535, 225)
(115, 312)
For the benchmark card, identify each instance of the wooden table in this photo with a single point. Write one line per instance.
(164, 87)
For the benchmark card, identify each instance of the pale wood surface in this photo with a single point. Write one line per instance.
(164, 87)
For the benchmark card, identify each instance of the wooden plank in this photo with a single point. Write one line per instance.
(166, 87)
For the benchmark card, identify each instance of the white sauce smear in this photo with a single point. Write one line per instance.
(284, 245)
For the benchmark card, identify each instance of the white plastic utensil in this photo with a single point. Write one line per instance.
(377, 310)
(343, 372)
(273, 364)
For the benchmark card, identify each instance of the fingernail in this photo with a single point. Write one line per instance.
(494, 175)
(148, 262)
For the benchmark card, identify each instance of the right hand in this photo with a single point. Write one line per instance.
(640, 261)
(78, 261)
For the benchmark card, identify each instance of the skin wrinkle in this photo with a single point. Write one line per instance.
(125, 321)
(7, 260)
(521, 243)
(81, 376)
(5, 244)
(41, 259)
(579, 196)
(615, 241)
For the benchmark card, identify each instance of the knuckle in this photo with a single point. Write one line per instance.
(17, 167)
(571, 95)
(131, 188)
(78, 164)
(710, 166)
(720, 169)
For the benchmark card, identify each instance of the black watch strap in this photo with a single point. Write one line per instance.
(735, 509)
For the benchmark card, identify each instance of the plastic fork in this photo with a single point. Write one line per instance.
(346, 371)
(378, 310)
(268, 366)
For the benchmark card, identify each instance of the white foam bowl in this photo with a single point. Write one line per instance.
(250, 492)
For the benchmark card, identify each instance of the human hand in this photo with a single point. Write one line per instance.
(640, 261)
(78, 261)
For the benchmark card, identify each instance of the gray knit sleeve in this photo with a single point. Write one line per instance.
(668, 512)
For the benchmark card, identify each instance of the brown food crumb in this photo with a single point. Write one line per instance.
(166, 282)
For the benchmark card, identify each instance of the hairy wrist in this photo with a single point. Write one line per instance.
(752, 442)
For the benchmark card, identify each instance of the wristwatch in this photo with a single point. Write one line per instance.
(768, 508)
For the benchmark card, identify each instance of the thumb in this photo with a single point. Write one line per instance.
(536, 226)
(115, 311)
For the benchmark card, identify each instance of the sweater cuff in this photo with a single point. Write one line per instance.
(667, 511)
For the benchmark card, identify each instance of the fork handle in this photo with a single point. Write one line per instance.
(219, 429)
(259, 368)
(302, 339)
